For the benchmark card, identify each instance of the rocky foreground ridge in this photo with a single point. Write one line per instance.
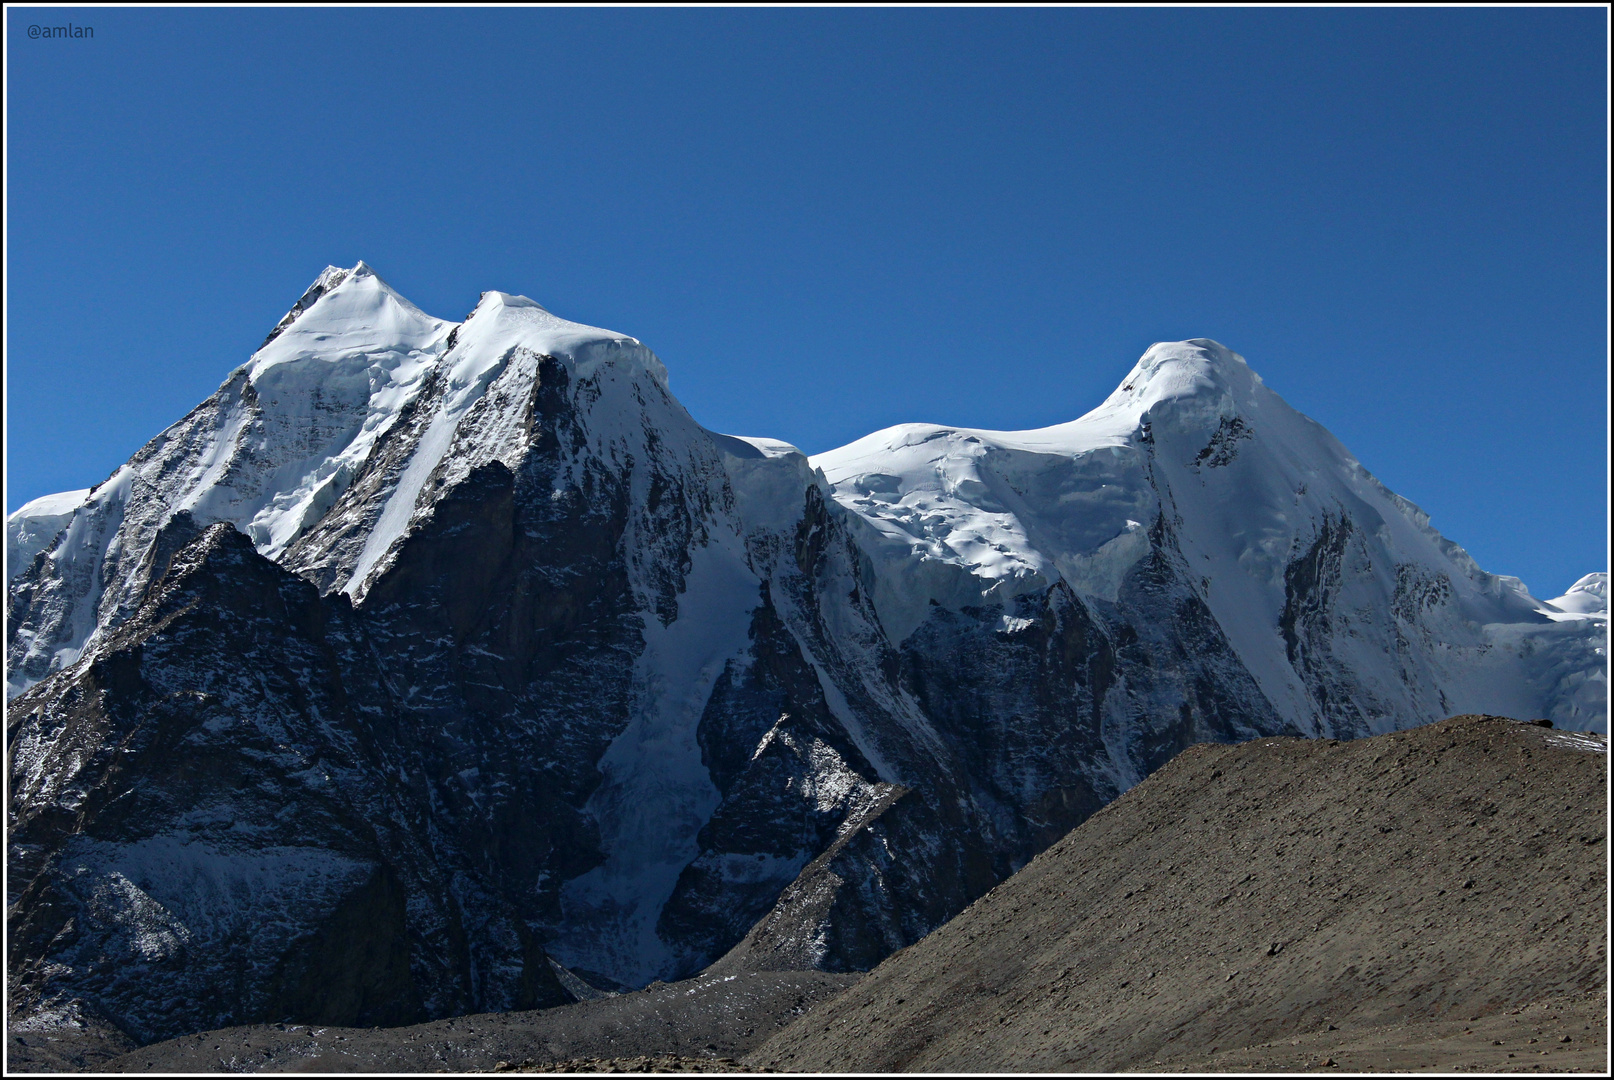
(431, 668)
(1430, 899)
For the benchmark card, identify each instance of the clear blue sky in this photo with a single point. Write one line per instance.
(830, 221)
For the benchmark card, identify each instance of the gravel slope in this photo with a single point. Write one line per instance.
(1353, 896)
(714, 1017)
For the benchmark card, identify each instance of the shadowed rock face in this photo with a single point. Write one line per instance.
(376, 688)
(222, 819)
(416, 772)
(1025, 725)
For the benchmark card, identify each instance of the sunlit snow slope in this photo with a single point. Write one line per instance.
(1351, 612)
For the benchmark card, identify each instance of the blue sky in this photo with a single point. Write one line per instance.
(830, 221)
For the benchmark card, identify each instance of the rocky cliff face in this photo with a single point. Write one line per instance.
(426, 664)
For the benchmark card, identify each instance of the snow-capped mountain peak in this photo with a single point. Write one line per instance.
(1018, 509)
(348, 315)
(1588, 596)
(504, 320)
(328, 279)
(1192, 368)
(1240, 484)
(1196, 386)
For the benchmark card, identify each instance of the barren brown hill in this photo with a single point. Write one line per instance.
(1282, 903)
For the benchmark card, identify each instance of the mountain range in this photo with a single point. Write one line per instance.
(429, 668)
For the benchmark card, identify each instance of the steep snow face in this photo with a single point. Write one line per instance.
(34, 526)
(1352, 614)
(499, 343)
(269, 453)
(328, 385)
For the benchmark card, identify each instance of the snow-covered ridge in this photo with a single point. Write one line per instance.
(498, 344)
(1587, 597)
(527, 323)
(278, 445)
(1191, 451)
(1245, 485)
(1018, 510)
(960, 495)
(59, 504)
